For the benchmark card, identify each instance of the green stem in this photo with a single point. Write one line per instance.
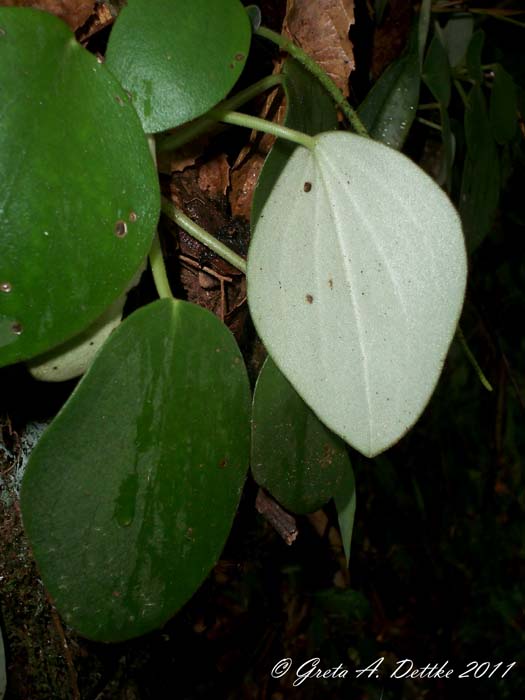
(470, 356)
(158, 269)
(427, 122)
(321, 76)
(201, 235)
(462, 93)
(156, 259)
(428, 106)
(246, 120)
(496, 15)
(191, 131)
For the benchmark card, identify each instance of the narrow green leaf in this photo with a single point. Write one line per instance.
(356, 276)
(423, 26)
(503, 106)
(294, 456)
(345, 503)
(449, 149)
(436, 71)
(390, 107)
(80, 197)
(309, 109)
(379, 10)
(178, 59)
(480, 185)
(473, 56)
(480, 188)
(457, 34)
(130, 494)
(478, 133)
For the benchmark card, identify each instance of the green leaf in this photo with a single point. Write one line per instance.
(480, 186)
(80, 198)
(503, 106)
(478, 133)
(356, 276)
(423, 26)
(390, 107)
(436, 71)
(456, 35)
(294, 456)
(473, 56)
(72, 358)
(449, 150)
(345, 502)
(130, 494)
(309, 109)
(178, 59)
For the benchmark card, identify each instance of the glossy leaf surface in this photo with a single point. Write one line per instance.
(178, 59)
(356, 276)
(309, 109)
(72, 358)
(294, 456)
(80, 198)
(130, 494)
(390, 107)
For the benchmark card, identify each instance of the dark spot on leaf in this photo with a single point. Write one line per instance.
(5, 287)
(309, 298)
(307, 186)
(55, 368)
(232, 66)
(116, 594)
(91, 342)
(17, 328)
(331, 283)
(239, 57)
(132, 217)
(119, 99)
(223, 463)
(121, 229)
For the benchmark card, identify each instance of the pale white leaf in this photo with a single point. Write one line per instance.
(356, 278)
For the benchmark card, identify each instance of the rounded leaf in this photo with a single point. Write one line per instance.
(130, 494)
(178, 58)
(294, 456)
(80, 198)
(356, 277)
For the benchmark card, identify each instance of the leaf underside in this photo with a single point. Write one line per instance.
(356, 277)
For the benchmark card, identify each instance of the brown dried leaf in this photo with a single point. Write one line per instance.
(214, 176)
(321, 29)
(74, 12)
(248, 164)
(244, 179)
